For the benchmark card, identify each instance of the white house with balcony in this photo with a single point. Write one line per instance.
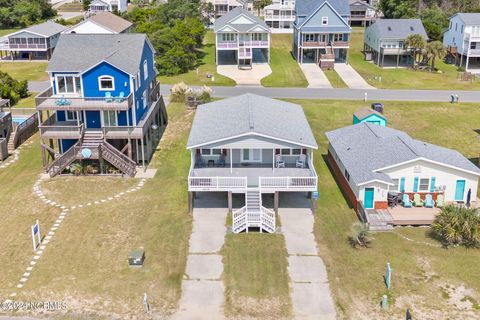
(241, 38)
(108, 5)
(280, 15)
(463, 40)
(222, 7)
(251, 145)
(33, 43)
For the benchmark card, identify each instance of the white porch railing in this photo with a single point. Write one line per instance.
(242, 219)
(288, 183)
(474, 51)
(260, 43)
(227, 45)
(216, 183)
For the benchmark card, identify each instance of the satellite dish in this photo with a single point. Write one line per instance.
(86, 153)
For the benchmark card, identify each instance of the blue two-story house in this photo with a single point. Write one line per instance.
(103, 109)
(321, 32)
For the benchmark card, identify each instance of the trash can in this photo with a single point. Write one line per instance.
(136, 258)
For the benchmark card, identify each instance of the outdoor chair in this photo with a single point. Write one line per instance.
(279, 163)
(120, 97)
(199, 162)
(440, 201)
(301, 161)
(417, 201)
(108, 97)
(221, 161)
(406, 201)
(429, 202)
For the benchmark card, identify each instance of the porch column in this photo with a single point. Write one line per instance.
(273, 160)
(230, 202)
(398, 57)
(143, 155)
(466, 63)
(275, 202)
(191, 199)
(78, 118)
(231, 164)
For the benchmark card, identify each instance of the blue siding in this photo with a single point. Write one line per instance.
(375, 119)
(146, 55)
(334, 20)
(67, 144)
(90, 81)
(122, 118)
(61, 115)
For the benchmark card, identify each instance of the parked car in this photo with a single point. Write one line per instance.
(377, 106)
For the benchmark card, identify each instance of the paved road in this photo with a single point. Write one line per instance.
(38, 86)
(344, 94)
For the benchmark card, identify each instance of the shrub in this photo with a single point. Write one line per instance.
(359, 235)
(179, 92)
(206, 95)
(457, 226)
(11, 88)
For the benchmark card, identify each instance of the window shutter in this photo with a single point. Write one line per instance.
(432, 184)
(415, 184)
(402, 184)
(198, 151)
(277, 151)
(304, 151)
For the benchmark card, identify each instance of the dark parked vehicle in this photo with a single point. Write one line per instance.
(377, 107)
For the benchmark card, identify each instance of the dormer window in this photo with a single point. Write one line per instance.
(145, 70)
(324, 21)
(106, 83)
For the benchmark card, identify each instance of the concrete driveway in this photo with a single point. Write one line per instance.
(351, 77)
(315, 76)
(250, 77)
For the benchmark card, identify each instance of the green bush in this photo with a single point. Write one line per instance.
(359, 235)
(457, 226)
(12, 89)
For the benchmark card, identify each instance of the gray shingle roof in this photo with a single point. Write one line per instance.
(46, 29)
(470, 18)
(227, 18)
(111, 21)
(398, 28)
(79, 52)
(360, 5)
(307, 7)
(250, 114)
(364, 148)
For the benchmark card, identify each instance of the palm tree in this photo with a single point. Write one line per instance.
(416, 42)
(435, 49)
(260, 4)
(457, 226)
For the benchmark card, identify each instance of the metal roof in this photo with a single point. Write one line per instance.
(365, 148)
(226, 20)
(398, 28)
(250, 114)
(80, 52)
(46, 29)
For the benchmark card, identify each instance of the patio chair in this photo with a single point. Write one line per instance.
(429, 202)
(120, 97)
(199, 162)
(301, 161)
(440, 201)
(406, 201)
(108, 97)
(417, 201)
(279, 163)
(221, 161)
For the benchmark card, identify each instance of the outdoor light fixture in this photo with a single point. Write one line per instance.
(154, 127)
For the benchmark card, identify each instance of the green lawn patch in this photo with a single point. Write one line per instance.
(335, 80)
(28, 102)
(419, 271)
(4, 32)
(285, 69)
(206, 65)
(31, 71)
(256, 276)
(71, 7)
(405, 78)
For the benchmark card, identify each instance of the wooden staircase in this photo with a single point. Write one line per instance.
(11, 142)
(253, 214)
(100, 148)
(327, 59)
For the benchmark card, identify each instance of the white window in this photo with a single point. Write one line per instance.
(256, 36)
(144, 99)
(251, 155)
(138, 79)
(424, 184)
(145, 70)
(324, 21)
(309, 37)
(67, 84)
(228, 37)
(70, 115)
(106, 83)
(291, 152)
(209, 152)
(395, 185)
(110, 118)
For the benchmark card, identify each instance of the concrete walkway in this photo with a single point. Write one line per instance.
(351, 77)
(310, 291)
(315, 76)
(202, 287)
(250, 77)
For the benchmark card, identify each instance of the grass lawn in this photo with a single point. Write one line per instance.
(335, 80)
(405, 78)
(31, 71)
(206, 64)
(4, 32)
(85, 264)
(71, 7)
(28, 102)
(285, 70)
(426, 279)
(256, 276)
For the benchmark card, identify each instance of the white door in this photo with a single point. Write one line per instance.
(251, 155)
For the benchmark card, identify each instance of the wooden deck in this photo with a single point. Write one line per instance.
(385, 219)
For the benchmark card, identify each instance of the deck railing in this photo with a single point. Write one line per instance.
(217, 183)
(52, 126)
(287, 183)
(25, 130)
(324, 44)
(16, 46)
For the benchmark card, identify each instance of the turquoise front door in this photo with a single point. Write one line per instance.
(368, 198)
(460, 190)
